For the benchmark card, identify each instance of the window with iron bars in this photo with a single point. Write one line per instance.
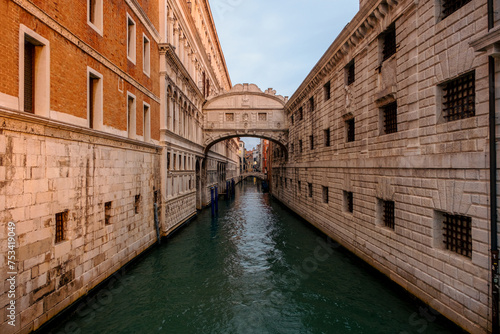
(301, 114)
(388, 213)
(459, 97)
(311, 141)
(300, 146)
(389, 42)
(326, 135)
(61, 218)
(326, 89)
(310, 189)
(349, 203)
(457, 233)
(350, 129)
(390, 116)
(451, 6)
(107, 213)
(325, 194)
(311, 103)
(350, 72)
(137, 203)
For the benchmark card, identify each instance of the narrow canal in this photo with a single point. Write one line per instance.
(255, 269)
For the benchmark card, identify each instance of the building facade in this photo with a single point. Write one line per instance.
(388, 149)
(101, 113)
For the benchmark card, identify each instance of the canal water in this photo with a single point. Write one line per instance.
(257, 268)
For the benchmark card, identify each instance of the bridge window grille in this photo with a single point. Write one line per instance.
(310, 188)
(388, 214)
(451, 6)
(390, 112)
(61, 219)
(229, 117)
(327, 91)
(107, 213)
(311, 103)
(350, 72)
(327, 137)
(311, 141)
(389, 42)
(349, 201)
(350, 129)
(457, 234)
(325, 194)
(459, 97)
(137, 203)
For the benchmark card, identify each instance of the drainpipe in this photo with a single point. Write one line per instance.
(495, 328)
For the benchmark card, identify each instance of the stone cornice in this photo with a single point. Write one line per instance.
(354, 33)
(83, 46)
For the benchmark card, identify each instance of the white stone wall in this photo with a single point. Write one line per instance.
(49, 167)
(428, 167)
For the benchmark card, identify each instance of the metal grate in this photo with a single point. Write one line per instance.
(350, 129)
(391, 118)
(327, 137)
(349, 201)
(457, 234)
(389, 214)
(459, 97)
(451, 6)
(350, 73)
(107, 213)
(327, 91)
(310, 187)
(325, 194)
(389, 37)
(60, 218)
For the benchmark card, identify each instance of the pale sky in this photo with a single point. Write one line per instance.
(276, 43)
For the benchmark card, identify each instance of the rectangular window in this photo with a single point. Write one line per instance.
(131, 116)
(107, 213)
(29, 77)
(310, 188)
(291, 119)
(262, 117)
(459, 97)
(311, 103)
(229, 117)
(94, 11)
(388, 213)
(168, 161)
(451, 6)
(301, 114)
(131, 28)
(390, 117)
(457, 233)
(300, 146)
(299, 185)
(311, 141)
(61, 219)
(137, 204)
(350, 129)
(94, 99)
(349, 70)
(146, 122)
(146, 49)
(174, 166)
(325, 194)
(389, 42)
(326, 136)
(348, 201)
(327, 91)
(292, 148)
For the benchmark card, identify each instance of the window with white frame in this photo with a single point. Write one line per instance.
(95, 14)
(95, 99)
(34, 72)
(131, 29)
(146, 66)
(146, 122)
(131, 115)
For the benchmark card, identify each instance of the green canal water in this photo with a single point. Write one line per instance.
(256, 268)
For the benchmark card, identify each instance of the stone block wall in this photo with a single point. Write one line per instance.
(429, 167)
(48, 167)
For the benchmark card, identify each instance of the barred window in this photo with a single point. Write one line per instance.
(350, 129)
(348, 200)
(389, 42)
(310, 187)
(459, 97)
(388, 213)
(350, 72)
(300, 146)
(311, 141)
(390, 116)
(299, 185)
(107, 213)
(291, 118)
(326, 89)
(457, 232)
(311, 103)
(301, 114)
(327, 137)
(325, 194)
(451, 6)
(61, 218)
(137, 204)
